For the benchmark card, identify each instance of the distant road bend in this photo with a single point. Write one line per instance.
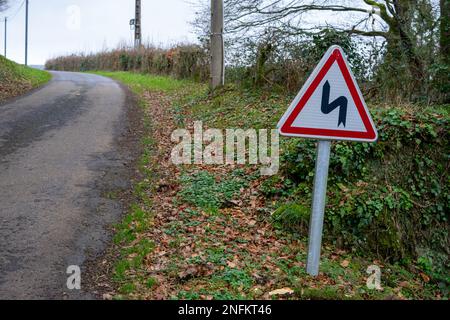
(59, 155)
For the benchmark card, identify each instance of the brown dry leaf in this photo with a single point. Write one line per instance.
(345, 263)
(189, 272)
(425, 278)
(107, 296)
(281, 292)
(378, 263)
(236, 202)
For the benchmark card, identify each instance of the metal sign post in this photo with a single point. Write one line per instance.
(330, 106)
(318, 206)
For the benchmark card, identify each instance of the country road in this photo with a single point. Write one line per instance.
(60, 158)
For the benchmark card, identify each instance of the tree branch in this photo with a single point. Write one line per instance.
(368, 33)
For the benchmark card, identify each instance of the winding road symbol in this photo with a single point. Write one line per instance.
(310, 115)
(340, 102)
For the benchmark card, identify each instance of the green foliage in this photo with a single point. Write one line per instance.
(390, 198)
(325, 39)
(140, 83)
(12, 71)
(441, 80)
(276, 186)
(235, 278)
(16, 79)
(292, 216)
(136, 221)
(327, 293)
(123, 61)
(139, 250)
(203, 190)
(127, 288)
(281, 64)
(151, 282)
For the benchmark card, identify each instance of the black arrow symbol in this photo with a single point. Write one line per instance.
(327, 107)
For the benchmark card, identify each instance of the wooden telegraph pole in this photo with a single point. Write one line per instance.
(137, 25)
(26, 32)
(217, 46)
(6, 34)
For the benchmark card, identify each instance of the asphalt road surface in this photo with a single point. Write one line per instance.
(59, 160)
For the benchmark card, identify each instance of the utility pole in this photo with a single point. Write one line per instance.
(26, 33)
(217, 46)
(137, 25)
(6, 33)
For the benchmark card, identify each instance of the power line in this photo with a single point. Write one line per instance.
(11, 17)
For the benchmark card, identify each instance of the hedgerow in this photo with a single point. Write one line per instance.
(185, 62)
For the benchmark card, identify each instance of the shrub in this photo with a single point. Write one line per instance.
(187, 61)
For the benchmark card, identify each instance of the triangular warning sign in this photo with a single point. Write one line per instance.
(330, 105)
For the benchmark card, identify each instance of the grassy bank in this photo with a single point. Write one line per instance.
(226, 232)
(17, 79)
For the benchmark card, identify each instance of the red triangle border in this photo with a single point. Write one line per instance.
(370, 133)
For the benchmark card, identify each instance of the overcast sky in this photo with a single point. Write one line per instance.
(55, 29)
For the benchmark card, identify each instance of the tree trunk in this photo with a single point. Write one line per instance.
(445, 31)
(264, 52)
(445, 50)
(401, 29)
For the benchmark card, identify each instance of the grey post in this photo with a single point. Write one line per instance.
(26, 33)
(6, 33)
(138, 25)
(217, 48)
(318, 207)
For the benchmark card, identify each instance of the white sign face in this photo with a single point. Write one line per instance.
(330, 105)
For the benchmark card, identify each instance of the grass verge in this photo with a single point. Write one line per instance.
(17, 79)
(219, 232)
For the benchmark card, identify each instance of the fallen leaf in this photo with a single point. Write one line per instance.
(425, 278)
(107, 296)
(281, 292)
(189, 272)
(345, 263)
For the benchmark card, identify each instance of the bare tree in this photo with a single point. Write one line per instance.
(389, 19)
(3, 5)
(403, 24)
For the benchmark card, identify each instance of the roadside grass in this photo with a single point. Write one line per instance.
(225, 232)
(34, 76)
(17, 79)
(232, 107)
(140, 82)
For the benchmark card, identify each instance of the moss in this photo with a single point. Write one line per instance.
(292, 216)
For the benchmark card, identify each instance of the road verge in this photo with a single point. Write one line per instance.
(16, 80)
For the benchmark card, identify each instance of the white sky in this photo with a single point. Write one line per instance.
(53, 26)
